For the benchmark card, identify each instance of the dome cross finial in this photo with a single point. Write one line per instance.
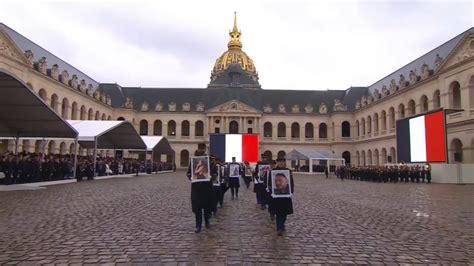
(235, 29)
(234, 36)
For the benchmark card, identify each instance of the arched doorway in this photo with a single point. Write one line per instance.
(457, 151)
(234, 127)
(347, 157)
(268, 155)
(184, 158)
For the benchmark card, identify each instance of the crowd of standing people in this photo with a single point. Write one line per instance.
(207, 196)
(388, 173)
(27, 167)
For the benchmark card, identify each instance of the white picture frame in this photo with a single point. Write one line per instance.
(200, 169)
(281, 184)
(234, 170)
(262, 170)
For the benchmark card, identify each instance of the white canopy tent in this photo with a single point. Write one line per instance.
(312, 155)
(23, 114)
(157, 145)
(107, 135)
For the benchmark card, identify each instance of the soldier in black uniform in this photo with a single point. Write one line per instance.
(234, 177)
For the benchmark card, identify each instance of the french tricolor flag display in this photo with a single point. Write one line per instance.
(422, 138)
(244, 147)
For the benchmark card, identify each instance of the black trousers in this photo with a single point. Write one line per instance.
(234, 191)
(198, 215)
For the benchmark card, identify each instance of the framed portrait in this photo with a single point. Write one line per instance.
(200, 169)
(281, 185)
(263, 169)
(248, 171)
(234, 170)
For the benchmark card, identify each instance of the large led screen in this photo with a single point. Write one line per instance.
(244, 147)
(422, 138)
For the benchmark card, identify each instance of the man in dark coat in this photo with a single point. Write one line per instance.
(234, 171)
(201, 197)
(281, 206)
(259, 187)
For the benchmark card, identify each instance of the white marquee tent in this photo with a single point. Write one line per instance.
(312, 155)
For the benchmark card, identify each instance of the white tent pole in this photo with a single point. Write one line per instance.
(95, 154)
(310, 166)
(17, 143)
(75, 157)
(152, 154)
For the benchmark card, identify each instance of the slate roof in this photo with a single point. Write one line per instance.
(25, 44)
(443, 50)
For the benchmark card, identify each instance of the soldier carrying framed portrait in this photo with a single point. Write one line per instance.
(200, 169)
(281, 184)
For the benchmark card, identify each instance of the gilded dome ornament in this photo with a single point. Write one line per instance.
(234, 55)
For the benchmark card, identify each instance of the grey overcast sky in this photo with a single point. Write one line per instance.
(315, 45)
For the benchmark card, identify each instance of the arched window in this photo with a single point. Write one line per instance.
(376, 157)
(401, 111)
(121, 119)
(358, 158)
(384, 120)
(424, 103)
(369, 124)
(268, 155)
(455, 91)
(345, 129)
(391, 117)
(295, 130)
(157, 128)
(281, 155)
(54, 102)
(65, 108)
(91, 114)
(362, 125)
(109, 117)
(74, 111)
(267, 130)
(62, 148)
(199, 129)
(171, 128)
(83, 113)
(44, 95)
(457, 151)
(51, 147)
(309, 131)
(411, 107)
(281, 130)
(38, 146)
(384, 156)
(233, 127)
(369, 157)
(26, 145)
(143, 127)
(323, 131)
(104, 117)
(71, 148)
(184, 158)
(185, 128)
(376, 123)
(97, 115)
(363, 159)
(436, 99)
(347, 157)
(393, 155)
(357, 128)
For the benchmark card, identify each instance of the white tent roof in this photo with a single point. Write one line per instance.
(306, 154)
(109, 134)
(24, 114)
(157, 143)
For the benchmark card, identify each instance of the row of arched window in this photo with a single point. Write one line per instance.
(73, 111)
(308, 130)
(374, 157)
(171, 128)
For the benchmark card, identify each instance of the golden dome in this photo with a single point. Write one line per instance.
(234, 55)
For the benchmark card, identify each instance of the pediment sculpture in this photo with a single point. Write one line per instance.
(402, 83)
(425, 71)
(385, 91)
(73, 82)
(308, 108)
(438, 61)
(267, 108)
(90, 90)
(95, 94)
(43, 65)
(200, 107)
(357, 106)
(145, 106)
(55, 72)
(339, 106)
(295, 108)
(29, 56)
(281, 108)
(413, 77)
(108, 100)
(128, 103)
(376, 94)
(370, 98)
(186, 107)
(172, 107)
(65, 77)
(83, 87)
(102, 97)
(393, 86)
(323, 109)
(363, 101)
(159, 107)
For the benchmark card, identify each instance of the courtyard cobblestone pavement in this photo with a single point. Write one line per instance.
(148, 220)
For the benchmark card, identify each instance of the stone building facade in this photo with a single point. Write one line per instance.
(357, 124)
